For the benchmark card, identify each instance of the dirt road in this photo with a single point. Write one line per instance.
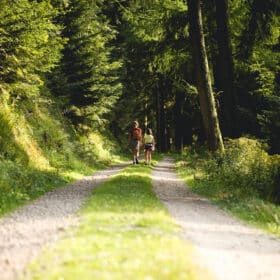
(229, 249)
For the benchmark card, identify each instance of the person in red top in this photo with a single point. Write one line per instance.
(135, 138)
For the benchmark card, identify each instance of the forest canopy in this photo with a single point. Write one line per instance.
(190, 70)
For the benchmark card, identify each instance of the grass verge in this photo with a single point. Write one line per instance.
(20, 184)
(40, 150)
(125, 233)
(244, 203)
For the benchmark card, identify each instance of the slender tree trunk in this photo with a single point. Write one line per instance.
(206, 97)
(167, 88)
(161, 119)
(182, 123)
(225, 75)
(158, 119)
(178, 141)
(163, 136)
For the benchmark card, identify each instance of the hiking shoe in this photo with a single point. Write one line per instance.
(137, 161)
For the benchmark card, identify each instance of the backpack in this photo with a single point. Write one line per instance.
(136, 134)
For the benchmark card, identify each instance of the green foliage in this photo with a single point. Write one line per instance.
(19, 184)
(269, 120)
(39, 151)
(256, 211)
(30, 45)
(89, 72)
(244, 169)
(259, 26)
(245, 165)
(109, 62)
(34, 135)
(148, 19)
(157, 60)
(255, 40)
(8, 146)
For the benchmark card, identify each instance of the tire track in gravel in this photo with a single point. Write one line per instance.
(24, 232)
(225, 246)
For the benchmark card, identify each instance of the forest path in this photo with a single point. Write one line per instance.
(27, 230)
(225, 246)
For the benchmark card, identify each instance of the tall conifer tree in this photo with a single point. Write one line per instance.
(30, 46)
(92, 84)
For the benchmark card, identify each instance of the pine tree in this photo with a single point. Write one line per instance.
(92, 77)
(30, 46)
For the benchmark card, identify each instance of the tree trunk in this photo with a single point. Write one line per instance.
(158, 119)
(182, 122)
(161, 121)
(225, 75)
(206, 97)
(178, 123)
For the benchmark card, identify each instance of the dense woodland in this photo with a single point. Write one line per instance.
(74, 74)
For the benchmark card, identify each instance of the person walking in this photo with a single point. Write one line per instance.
(135, 138)
(149, 145)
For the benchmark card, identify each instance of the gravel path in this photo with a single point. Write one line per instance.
(227, 247)
(26, 231)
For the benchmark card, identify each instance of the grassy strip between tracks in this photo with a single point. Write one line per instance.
(125, 233)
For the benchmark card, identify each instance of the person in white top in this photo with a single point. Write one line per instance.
(149, 145)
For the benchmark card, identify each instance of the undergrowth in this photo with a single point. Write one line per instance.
(244, 180)
(40, 150)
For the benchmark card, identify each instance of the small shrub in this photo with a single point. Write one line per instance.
(245, 167)
(275, 166)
